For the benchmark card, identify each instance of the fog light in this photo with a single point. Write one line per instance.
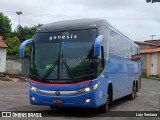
(87, 100)
(33, 98)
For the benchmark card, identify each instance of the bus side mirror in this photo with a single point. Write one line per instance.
(22, 47)
(97, 45)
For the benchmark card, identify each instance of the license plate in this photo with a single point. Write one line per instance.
(58, 101)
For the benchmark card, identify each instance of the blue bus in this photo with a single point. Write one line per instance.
(82, 63)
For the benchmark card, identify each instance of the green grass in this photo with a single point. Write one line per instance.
(153, 78)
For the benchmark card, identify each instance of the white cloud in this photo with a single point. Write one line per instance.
(135, 18)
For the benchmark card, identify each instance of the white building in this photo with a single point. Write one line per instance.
(3, 52)
(150, 57)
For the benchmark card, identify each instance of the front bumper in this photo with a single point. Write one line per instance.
(68, 101)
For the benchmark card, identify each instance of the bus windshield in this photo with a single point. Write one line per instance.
(61, 57)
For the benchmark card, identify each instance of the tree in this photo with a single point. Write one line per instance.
(13, 46)
(13, 39)
(155, 1)
(152, 1)
(5, 26)
(25, 33)
(148, 1)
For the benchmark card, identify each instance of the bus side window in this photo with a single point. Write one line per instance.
(101, 61)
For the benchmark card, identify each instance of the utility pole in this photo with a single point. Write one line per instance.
(19, 13)
(152, 36)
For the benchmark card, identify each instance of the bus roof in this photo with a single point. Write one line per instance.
(77, 24)
(72, 25)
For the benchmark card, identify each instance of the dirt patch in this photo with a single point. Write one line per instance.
(14, 78)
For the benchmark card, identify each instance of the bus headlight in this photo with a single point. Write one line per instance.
(33, 88)
(88, 89)
(95, 86)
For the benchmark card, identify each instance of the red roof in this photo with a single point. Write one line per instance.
(147, 43)
(150, 50)
(2, 44)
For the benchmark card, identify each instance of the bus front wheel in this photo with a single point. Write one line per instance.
(53, 107)
(104, 108)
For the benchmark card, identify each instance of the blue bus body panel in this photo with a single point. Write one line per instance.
(98, 97)
(69, 101)
(122, 73)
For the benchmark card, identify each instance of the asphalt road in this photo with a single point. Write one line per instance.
(14, 97)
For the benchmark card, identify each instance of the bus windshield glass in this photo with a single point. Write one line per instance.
(66, 56)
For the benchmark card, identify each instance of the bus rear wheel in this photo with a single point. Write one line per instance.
(133, 95)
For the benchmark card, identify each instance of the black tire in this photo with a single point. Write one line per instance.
(53, 107)
(133, 95)
(104, 108)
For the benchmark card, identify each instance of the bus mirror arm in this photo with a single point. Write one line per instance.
(97, 45)
(22, 47)
(102, 57)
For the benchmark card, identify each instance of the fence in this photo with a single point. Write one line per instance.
(15, 65)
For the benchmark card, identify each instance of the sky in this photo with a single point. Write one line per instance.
(137, 19)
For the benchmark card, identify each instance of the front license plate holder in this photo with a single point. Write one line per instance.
(58, 101)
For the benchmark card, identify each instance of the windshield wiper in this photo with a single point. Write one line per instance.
(50, 70)
(65, 64)
(34, 76)
(67, 67)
